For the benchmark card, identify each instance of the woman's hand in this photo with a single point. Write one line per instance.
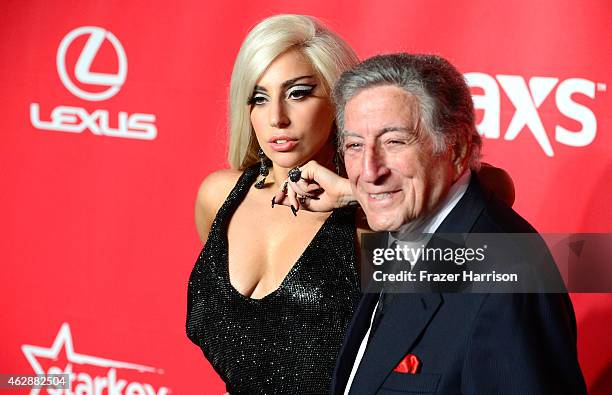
(319, 189)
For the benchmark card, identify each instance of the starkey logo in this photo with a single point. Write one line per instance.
(85, 84)
(89, 374)
(527, 97)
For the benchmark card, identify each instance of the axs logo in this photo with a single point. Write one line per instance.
(527, 99)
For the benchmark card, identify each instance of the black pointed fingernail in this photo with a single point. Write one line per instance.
(294, 210)
(273, 201)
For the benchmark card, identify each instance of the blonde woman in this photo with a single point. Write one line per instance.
(272, 293)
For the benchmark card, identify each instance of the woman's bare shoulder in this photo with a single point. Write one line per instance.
(211, 194)
(218, 183)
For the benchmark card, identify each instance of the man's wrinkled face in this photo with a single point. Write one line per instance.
(390, 159)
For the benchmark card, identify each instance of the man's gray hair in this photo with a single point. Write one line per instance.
(445, 102)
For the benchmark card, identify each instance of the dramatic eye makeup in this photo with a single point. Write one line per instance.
(300, 91)
(258, 97)
(292, 91)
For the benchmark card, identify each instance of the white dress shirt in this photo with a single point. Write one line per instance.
(425, 226)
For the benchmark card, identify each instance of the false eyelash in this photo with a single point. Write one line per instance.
(251, 100)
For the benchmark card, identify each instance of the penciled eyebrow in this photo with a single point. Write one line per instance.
(285, 84)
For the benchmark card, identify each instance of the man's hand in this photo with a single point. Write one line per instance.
(319, 189)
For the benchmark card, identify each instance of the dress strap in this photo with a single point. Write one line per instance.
(235, 197)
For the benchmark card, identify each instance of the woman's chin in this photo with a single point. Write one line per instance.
(289, 160)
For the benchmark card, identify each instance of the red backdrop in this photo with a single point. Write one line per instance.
(107, 132)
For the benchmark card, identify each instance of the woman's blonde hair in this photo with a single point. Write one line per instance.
(329, 54)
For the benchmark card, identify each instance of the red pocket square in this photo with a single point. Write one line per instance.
(410, 365)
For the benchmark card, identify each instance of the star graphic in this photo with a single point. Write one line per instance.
(63, 340)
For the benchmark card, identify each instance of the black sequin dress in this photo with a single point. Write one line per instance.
(287, 342)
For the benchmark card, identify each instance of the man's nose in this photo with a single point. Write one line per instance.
(373, 165)
(278, 114)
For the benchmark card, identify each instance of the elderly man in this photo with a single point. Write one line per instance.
(410, 146)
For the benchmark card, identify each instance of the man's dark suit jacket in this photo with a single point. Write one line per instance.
(467, 343)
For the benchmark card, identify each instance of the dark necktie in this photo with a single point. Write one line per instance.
(378, 314)
(384, 300)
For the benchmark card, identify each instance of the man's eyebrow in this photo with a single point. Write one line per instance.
(395, 129)
(285, 84)
(348, 133)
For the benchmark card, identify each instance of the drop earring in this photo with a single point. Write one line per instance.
(263, 168)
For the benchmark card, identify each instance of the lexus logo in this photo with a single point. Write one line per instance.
(103, 86)
(82, 68)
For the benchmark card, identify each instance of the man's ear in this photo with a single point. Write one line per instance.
(498, 181)
(461, 152)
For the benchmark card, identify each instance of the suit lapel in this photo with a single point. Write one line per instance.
(356, 331)
(463, 216)
(407, 317)
(409, 314)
